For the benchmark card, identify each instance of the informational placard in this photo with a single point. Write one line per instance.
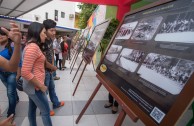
(151, 59)
(96, 37)
(82, 39)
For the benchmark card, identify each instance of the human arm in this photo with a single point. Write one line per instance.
(15, 35)
(8, 121)
(50, 66)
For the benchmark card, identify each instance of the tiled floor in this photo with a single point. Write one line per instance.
(96, 114)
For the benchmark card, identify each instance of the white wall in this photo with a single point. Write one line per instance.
(64, 6)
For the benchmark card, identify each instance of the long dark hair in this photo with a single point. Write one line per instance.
(34, 31)
(8, 45)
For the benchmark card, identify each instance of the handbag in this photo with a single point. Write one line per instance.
(19, 84)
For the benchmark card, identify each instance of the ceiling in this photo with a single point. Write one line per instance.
(16, 8)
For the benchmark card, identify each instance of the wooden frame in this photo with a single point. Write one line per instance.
(88, 53)
(172, 110)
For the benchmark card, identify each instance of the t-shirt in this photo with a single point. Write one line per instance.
(5, 53)
(34, 60)
(48, 50)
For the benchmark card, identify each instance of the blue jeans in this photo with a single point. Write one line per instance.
(55, 73)
(49, 82)
(9, 80)
(39, 99)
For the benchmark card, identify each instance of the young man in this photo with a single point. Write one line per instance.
(48, 49)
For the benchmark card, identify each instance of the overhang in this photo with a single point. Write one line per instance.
(16, 8)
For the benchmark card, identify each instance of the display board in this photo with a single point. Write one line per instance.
(151, 60)
(96, 37)
(82, 39)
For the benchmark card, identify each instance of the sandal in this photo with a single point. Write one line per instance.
(108, 105)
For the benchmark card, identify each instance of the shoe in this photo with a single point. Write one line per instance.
(108, 105)
(114, 110)
(56, 78)
(62, 103)
(52, 113)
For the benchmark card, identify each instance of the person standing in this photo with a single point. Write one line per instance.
(48, 50)
(69, 47)
(11, 65)
(33, 73)
(112, 103)
(8, 78)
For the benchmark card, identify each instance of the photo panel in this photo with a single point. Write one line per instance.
(113, 53)
(129, 59)
(166, 72)
(177, 28)
(126, 30)
(146, 28)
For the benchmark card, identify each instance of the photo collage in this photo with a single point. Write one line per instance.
(138, 67)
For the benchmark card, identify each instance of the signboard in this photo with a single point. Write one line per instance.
(95, 39)
(82, 39)
(151, 60)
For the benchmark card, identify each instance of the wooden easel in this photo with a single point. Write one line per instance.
(80, 75)
(125, 109)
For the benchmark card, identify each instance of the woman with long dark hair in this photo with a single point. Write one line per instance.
(33, 73)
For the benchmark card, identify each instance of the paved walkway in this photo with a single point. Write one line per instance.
(96, 114)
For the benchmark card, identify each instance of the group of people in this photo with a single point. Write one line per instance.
(62, 46)
(34, 62)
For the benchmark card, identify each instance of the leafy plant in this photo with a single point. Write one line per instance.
(86, 12)
(108, 35)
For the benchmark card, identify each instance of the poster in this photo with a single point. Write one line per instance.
(95, 39)
(151, 56)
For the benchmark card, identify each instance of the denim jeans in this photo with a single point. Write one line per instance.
(55, 73)
(9, 80)
(39, 99)
(49, 82)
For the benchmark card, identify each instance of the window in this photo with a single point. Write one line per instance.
(36, 18)
(56, 15)
(62, 14)
(46, 15)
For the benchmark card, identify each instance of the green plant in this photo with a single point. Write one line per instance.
(86, 12)
(108, 35)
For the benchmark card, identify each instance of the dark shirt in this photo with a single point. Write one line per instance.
(48, 50)
(69, 43)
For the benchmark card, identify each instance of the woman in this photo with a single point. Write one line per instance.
(8, 78)
(33, 73)
(10, 65)
(64, 49)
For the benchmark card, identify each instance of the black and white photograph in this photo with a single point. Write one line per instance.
(129, 59)
(146, 28)
(167, 73)
(177, 28)
(96, 36)
(113, 52)
(126, 30)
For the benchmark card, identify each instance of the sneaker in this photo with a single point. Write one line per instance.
(62, 103)
(108, 105)
(56, 78)
(52, 113)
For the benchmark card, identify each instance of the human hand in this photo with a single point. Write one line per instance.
(43, 88)
(14, 34)
(54, 68)
(8, 121)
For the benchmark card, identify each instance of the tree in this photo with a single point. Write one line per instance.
(86, 12)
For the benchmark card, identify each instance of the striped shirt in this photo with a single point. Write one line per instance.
(33, 60)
